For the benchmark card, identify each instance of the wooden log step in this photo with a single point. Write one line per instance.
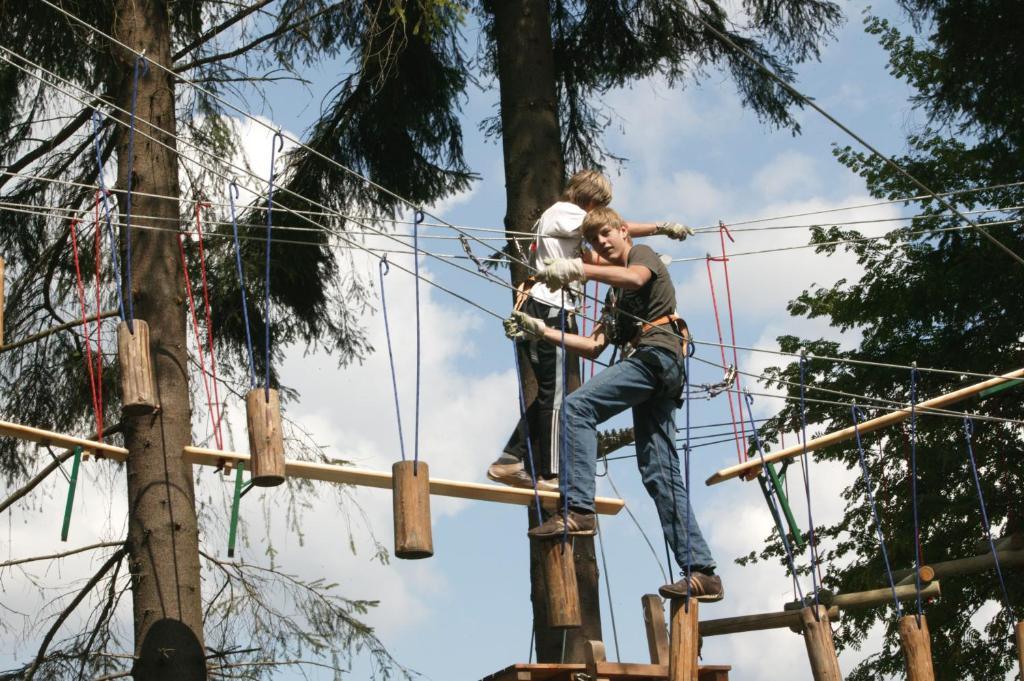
(613, 671)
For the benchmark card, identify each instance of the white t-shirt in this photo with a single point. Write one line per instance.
(558, 236)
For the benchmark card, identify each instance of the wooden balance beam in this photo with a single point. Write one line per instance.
(968, 566)
(790, 619)
(310, 470)
(754, 463)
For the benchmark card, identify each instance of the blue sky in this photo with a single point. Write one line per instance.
(695, 156)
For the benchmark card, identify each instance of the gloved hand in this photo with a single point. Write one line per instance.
(673, 230)
(520, 324)
(559, 272)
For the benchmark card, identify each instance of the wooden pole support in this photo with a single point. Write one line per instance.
(593, 654)
(1, 302)
(266, 443)
(821, 649)
(917, 648)
(562, 593)
(138, 389)
(657, 631)
(410, 486)
(684, 640)
(1020, 648)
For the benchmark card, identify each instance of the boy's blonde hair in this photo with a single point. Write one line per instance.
(588, 188)
(598, 218)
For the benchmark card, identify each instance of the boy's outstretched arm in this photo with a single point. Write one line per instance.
(520, 324)
(673, 230)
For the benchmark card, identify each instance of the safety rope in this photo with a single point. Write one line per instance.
(723, 232)
(526, 434)
(209, 321)
(383, 269)
(115, 259)
(688, 569)
(140, 59)
(721, 346)
(913, 489)
(855, 413)
(417, 220)
(968, 434)
(276, 145)
(812, 543)
(563, 454)
(232, 195)
(93, 362)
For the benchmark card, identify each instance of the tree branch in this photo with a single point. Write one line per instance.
(62, 135)
(219, 28)
(72, 552)
(114, 559)
(55, 329)
(276, 33)
(51, 467)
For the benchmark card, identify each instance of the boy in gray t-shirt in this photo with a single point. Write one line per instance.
(648, 381)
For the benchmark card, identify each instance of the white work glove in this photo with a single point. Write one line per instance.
(559, 272)
(520, 324)
(673, 230)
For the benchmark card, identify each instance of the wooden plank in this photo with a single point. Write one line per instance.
(382, 480)
(787, 619)
(46, 437)
(893, 417)
(616, 671)
(310, 470)
(969, 566)
(864, 599)
(657, 630)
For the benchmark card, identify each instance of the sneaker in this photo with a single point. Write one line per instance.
(704, 588)
(579, 525)
(546, 484)
(509, 471)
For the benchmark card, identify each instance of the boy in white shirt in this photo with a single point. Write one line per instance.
(558, 238)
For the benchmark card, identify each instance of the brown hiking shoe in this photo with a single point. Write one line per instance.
(546, 484)
(513, 474)
(704, 588)
(578, 524)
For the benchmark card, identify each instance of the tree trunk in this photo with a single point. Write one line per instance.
(163, 537)
(534, 172)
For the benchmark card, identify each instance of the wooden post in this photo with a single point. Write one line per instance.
(821, 649)
(410, 487)
(917, 648)
(1, 302)
(562, 594)
(592, 654)
(685, 641)
(138, 389)
(657, 631)
(1020, 648)
(266, 443)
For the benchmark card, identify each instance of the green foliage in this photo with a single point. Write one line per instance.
(942, 296)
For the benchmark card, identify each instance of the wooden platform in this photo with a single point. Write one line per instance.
(613, 671)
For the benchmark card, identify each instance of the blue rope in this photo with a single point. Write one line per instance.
(854, 411)
(131, 164)
(526, 434)
(114, 258)
(811, 541)
(276, 144)
(913, 486)
(968, 432)
(384, 268)
(790, 558)
(232, 195)
(686, 469)
(417, 220)
(563, 458)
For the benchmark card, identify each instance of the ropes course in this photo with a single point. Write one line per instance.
(409, 479)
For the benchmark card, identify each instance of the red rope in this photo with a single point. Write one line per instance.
(209, 322)
(94, 387)
(199, 343)
(721, 346)
(723, 232)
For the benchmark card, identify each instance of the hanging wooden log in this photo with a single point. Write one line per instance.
(411, 499)
(684, 640)
(790, 619)
(654, 625)
(927, 574)
(138, 389)
(968, 566)
(560, 577)
(866, 599)
(1, 302)
(917, 647)
(1020, 648)
(266, 443)
(821, 649)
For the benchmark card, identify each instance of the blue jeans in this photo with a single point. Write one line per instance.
(649, 382)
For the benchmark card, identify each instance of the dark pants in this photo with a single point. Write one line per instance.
(541, 418)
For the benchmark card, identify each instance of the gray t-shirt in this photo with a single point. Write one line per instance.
(655, 299)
